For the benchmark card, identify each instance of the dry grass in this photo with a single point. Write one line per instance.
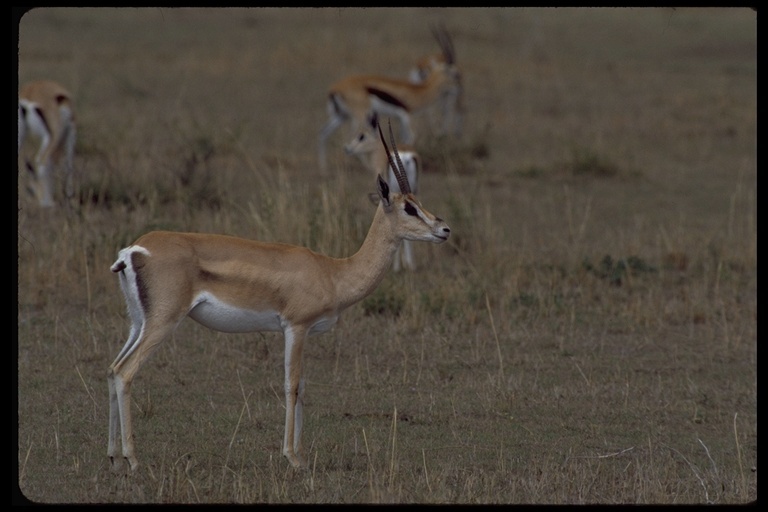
(588, 336)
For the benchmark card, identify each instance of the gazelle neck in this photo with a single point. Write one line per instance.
(362, 272)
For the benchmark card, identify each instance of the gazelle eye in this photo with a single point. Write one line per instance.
(410, 209)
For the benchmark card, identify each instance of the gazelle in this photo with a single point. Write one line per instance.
(354, 97)
(232, 284)
(46, 111)
(367, 147)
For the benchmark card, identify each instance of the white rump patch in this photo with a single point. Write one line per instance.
(124, 256)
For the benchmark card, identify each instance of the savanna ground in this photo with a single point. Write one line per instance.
(588, 335)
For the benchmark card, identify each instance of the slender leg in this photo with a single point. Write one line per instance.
(298, 447)
(408, 255)
(405, 124)
(123, 391)
(294, 395)
(69, 187)
(114, 408)
(42, 184)
(120, 377)
(114, 423)
(398, 256)
(456, 109)
(42, 172)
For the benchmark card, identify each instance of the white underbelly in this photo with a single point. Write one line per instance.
(220, 316)
(385, 108)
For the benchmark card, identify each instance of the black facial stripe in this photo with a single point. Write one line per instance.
(410, 209)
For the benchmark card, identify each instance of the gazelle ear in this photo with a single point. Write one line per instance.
(383, 189)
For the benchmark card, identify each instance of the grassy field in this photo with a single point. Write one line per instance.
(588, 335)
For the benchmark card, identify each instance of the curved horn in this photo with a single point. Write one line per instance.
(402, 177)
(446, 45)
(398, 169)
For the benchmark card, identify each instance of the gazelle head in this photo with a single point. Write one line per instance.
(439, 66)
(412, 221)
(443, 62)
(442, 67)
(363, 143)
(366, 141)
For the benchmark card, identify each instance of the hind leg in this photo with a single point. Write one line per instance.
(120, 376)
(407, 250)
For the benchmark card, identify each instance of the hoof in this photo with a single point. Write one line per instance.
(115, 464)
(297, 461)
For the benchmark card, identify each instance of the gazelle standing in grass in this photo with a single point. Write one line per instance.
(353, 98)
(232, 284)
(46, 111)
(367, 147)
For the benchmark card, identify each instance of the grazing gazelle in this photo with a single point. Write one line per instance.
(354, 97)
(367, 147)
(46, 111)
(236, 285)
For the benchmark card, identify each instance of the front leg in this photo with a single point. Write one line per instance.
(69, 141)
(41, 186)
(298, 422)
(405, 125)
(294, 395)
(407, 249)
